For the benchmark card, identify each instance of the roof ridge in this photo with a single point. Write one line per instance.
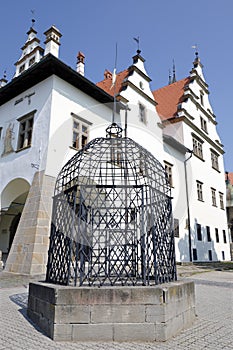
(172, 84)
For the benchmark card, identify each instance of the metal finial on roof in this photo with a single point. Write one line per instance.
(196, 52)
(169, 77)
(33, 20)
(137, 41)
(114, 131)
(174, 72)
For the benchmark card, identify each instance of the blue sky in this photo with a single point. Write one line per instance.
(167, 29)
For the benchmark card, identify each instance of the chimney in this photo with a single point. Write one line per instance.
(80, 63)
(107, 74)
(52, 41)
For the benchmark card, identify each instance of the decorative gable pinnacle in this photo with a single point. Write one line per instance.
(32, 52)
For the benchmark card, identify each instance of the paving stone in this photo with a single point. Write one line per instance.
(212, 328)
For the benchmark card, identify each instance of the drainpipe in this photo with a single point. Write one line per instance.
(188, 208)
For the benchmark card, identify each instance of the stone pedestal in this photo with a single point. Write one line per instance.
(154, 313)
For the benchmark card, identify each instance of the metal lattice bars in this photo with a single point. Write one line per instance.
(112, 217)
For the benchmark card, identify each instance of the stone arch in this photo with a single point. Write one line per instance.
(13, 198)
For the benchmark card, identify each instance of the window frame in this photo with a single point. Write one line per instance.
(213, 196)
(199, 232)
(203, 124)
(221, 200)
(208, 234)
(200, 191)
(197, 146)
(80, 142)
(25, 133)
(169, 172)
(224, 236)
(201, 97)
(22, 68)
(216, 235)
(210, 255)
(142, 113)
(214, 159)
(195, 254)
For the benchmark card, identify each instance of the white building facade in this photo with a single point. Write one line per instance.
(49, 111)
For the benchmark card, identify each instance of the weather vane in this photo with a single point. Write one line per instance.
(137, 41)
(33, 20)
(196, 49)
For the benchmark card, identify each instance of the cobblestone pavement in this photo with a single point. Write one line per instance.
(213, 328)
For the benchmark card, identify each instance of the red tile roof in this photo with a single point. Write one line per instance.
(168, 98)
(106, 84)
(230, 177)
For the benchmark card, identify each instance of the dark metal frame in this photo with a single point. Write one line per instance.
(112, 217)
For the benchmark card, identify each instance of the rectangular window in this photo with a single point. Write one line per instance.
(199, 191)
(168, 170)
(210, 255)
(213, 195)
(223, 255)
(199, 235)
(176, 228)
(32, 60)
(203, 124)
(224, 236)
(25, 130)
(197, 147)
(194, 254)
(142, 113)
(80, 132)
(217, 235)
(208, 233)
(201, 98)
(221, 200)
(214, 160)
(22, 68)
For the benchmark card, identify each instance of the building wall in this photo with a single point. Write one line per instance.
(179, 201)
(203, 212)
(67, 100)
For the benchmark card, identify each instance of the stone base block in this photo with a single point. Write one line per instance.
(151, 313)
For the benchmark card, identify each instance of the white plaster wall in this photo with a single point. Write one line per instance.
(66, 100)
(203, 212)
(179, 200)
(149, 134)
(19, 164)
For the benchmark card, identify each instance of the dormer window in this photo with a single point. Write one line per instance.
(22, 68)
(32, 60)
